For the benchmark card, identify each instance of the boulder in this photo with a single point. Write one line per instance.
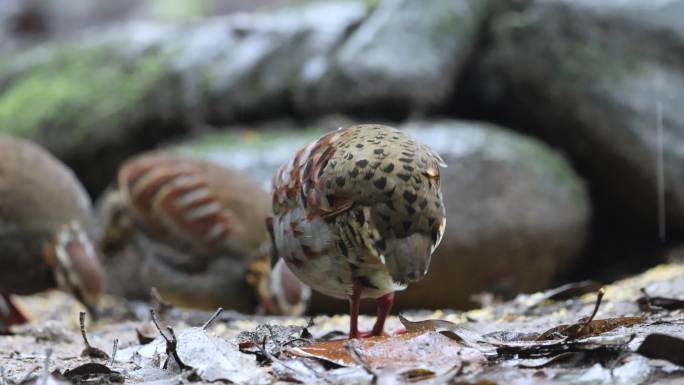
(97, 99)
(605, 84)
(517, 213)
(404, 58)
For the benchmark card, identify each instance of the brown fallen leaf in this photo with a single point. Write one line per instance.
(448, 329)
(663, 347)
(429, 350)
(648, 303)
(146, 332)
(93, 372)
(583, 329)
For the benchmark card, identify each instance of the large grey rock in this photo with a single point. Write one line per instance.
(591, 78)
(517, 214)
(406, 56)
(96, 100)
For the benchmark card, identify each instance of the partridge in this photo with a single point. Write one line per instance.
(44, 213)
(358, 213)
(195, 231)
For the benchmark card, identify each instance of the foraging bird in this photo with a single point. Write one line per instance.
(195, 231)
(358, 213)
(44, 211)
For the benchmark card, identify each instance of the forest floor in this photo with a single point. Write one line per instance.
(628, 332)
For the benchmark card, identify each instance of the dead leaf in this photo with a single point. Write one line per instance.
(93, 372)
(146, 333)
(583, 329)
(213, 359)
(429, 350)
(648, 303)
(663, 347)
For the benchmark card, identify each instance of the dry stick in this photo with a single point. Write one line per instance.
(273, 359)
(81, 321)
(171, 343)
(28, 373)
(599, 298)
(356, 356)
(114, 349)
(213, 318)
(46, 369)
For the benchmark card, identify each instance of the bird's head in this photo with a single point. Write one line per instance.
(76, 265)
(117, 223)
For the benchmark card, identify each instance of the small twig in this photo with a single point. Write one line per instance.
(585, 324)
(356, 356)
(274, 359)
(89, 350)
(114, 349)
(28, 373)
(171, 343)
(81, 321)
(213, 318)
(46, 368)
(3, 376)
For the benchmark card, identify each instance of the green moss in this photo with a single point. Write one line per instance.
(77, 90)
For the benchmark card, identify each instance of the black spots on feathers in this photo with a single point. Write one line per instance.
(404, 177)
(410, 210)
(378, 151)
(365, 282)
(354, 173)
(409, 196)
(340, 181)
(431, 221)
(388, 169)
(369, 175)
(389, 193)
(359, 145)
(349, 156)
(423, 204)
(343, 248)
(380, 183)
(406, 160)
(385, 218)
(407, 168)
(406, 225)
(360, 217)
(380, 244)
(362, 163)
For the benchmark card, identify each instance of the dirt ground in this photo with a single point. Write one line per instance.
(635, 337)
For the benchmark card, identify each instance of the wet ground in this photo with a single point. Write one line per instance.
(559, 336)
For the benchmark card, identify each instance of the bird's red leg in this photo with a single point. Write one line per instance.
(354, 302)
(384, 306)
(10, 315)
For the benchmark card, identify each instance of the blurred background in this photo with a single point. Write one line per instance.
(561, 120)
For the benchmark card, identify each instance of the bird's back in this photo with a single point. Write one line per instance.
(37, 190)
(377, 187)
(191, 203)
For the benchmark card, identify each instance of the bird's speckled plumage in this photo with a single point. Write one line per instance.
(44, 213)
(359, 205)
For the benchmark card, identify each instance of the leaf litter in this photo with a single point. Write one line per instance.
(576, 334)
